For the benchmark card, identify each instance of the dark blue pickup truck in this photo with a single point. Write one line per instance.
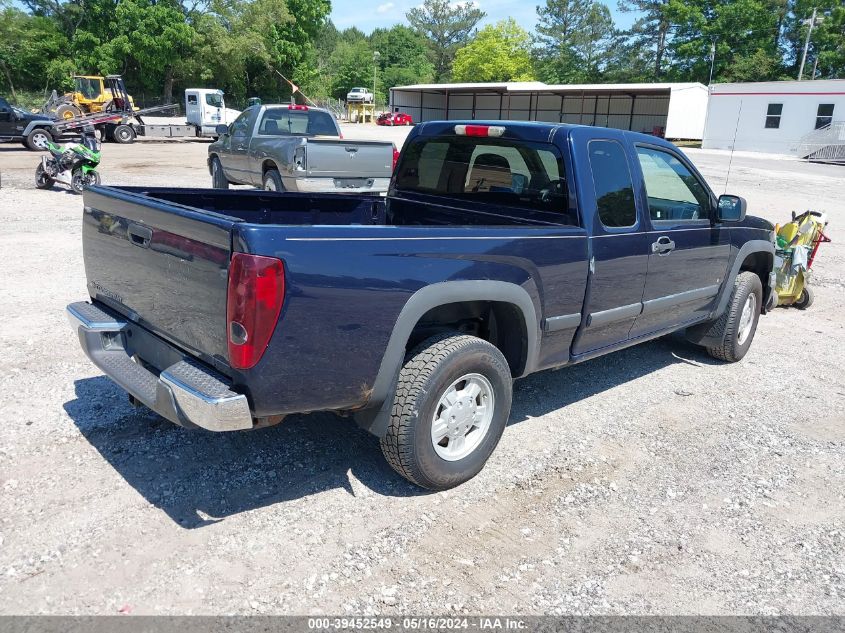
(502, 248)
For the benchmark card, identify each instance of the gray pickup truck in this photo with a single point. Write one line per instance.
(300, 149)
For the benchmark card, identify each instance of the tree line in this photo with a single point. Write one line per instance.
(252, 47)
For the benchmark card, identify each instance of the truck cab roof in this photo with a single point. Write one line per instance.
(532, 131)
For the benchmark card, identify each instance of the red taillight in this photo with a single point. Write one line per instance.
(395, 157)
(297, 107)
(255, 297)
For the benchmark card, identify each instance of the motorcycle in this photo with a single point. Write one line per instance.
(74, 165)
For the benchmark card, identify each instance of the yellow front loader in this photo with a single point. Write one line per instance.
(91, 94)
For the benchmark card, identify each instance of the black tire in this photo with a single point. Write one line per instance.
(123, 134)
(732, 348)
(272, 181)
(68, 111)
(218, 176)
(42, 180)
(806, 299)
(78, 181)
(37, 139)
(429, 371)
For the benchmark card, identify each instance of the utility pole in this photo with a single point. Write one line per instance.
(811, 22)
(815, 67)
(376, 56)
(712, 60)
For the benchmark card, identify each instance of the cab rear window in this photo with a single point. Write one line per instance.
(487, 170)
(285, 122)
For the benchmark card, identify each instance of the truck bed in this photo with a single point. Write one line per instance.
(159, 258)
(296, 209)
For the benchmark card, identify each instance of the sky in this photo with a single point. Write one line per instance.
(386, 13)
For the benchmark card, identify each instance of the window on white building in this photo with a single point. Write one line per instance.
(824, 115)
(773, 115)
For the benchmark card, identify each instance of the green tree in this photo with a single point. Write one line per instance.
(574, 39)
(353, 66)
(827, 41)
(744, 33)
(500, 52)
(447, 28)
(32, 51)
(403, 58)
(649, 35)
(156, 37)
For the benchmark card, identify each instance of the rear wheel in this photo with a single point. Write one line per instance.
(452, 402)
(218, 178)
(123, 134)
(806, 299)
(273, 181)
(42, 180)
(739, 322)
(80, 180)
(39, 139)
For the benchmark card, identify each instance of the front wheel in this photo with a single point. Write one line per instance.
(39, 140)
(42, 180)
(80, 180)
(739, 322)
(452, 402)
(218, 177)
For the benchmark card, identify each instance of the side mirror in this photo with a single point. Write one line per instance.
(732, 208)
(222, 130)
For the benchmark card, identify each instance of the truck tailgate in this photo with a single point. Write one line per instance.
(337, 158)
(161, 265)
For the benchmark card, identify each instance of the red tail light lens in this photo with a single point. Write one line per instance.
(395, 157)
(479, 130)
(253, 304)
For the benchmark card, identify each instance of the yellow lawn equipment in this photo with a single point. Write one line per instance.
(797, 244)
(91, 94)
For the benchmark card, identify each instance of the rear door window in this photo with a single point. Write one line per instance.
(472, 170)
(613, 185)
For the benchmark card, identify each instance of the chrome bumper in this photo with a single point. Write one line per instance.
(335, 185)
(185, 393)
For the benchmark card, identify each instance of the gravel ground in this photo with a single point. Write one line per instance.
(651, 481)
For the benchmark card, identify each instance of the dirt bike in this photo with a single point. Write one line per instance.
(73, 165)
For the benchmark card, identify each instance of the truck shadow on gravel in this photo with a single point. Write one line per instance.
(199, 478)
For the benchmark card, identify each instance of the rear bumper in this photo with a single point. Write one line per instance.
(185, 393)
(336, 185)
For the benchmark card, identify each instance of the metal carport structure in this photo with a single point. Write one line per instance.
(674, 110)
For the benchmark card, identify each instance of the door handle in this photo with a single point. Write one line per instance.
(663, 245)
(140, 235)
